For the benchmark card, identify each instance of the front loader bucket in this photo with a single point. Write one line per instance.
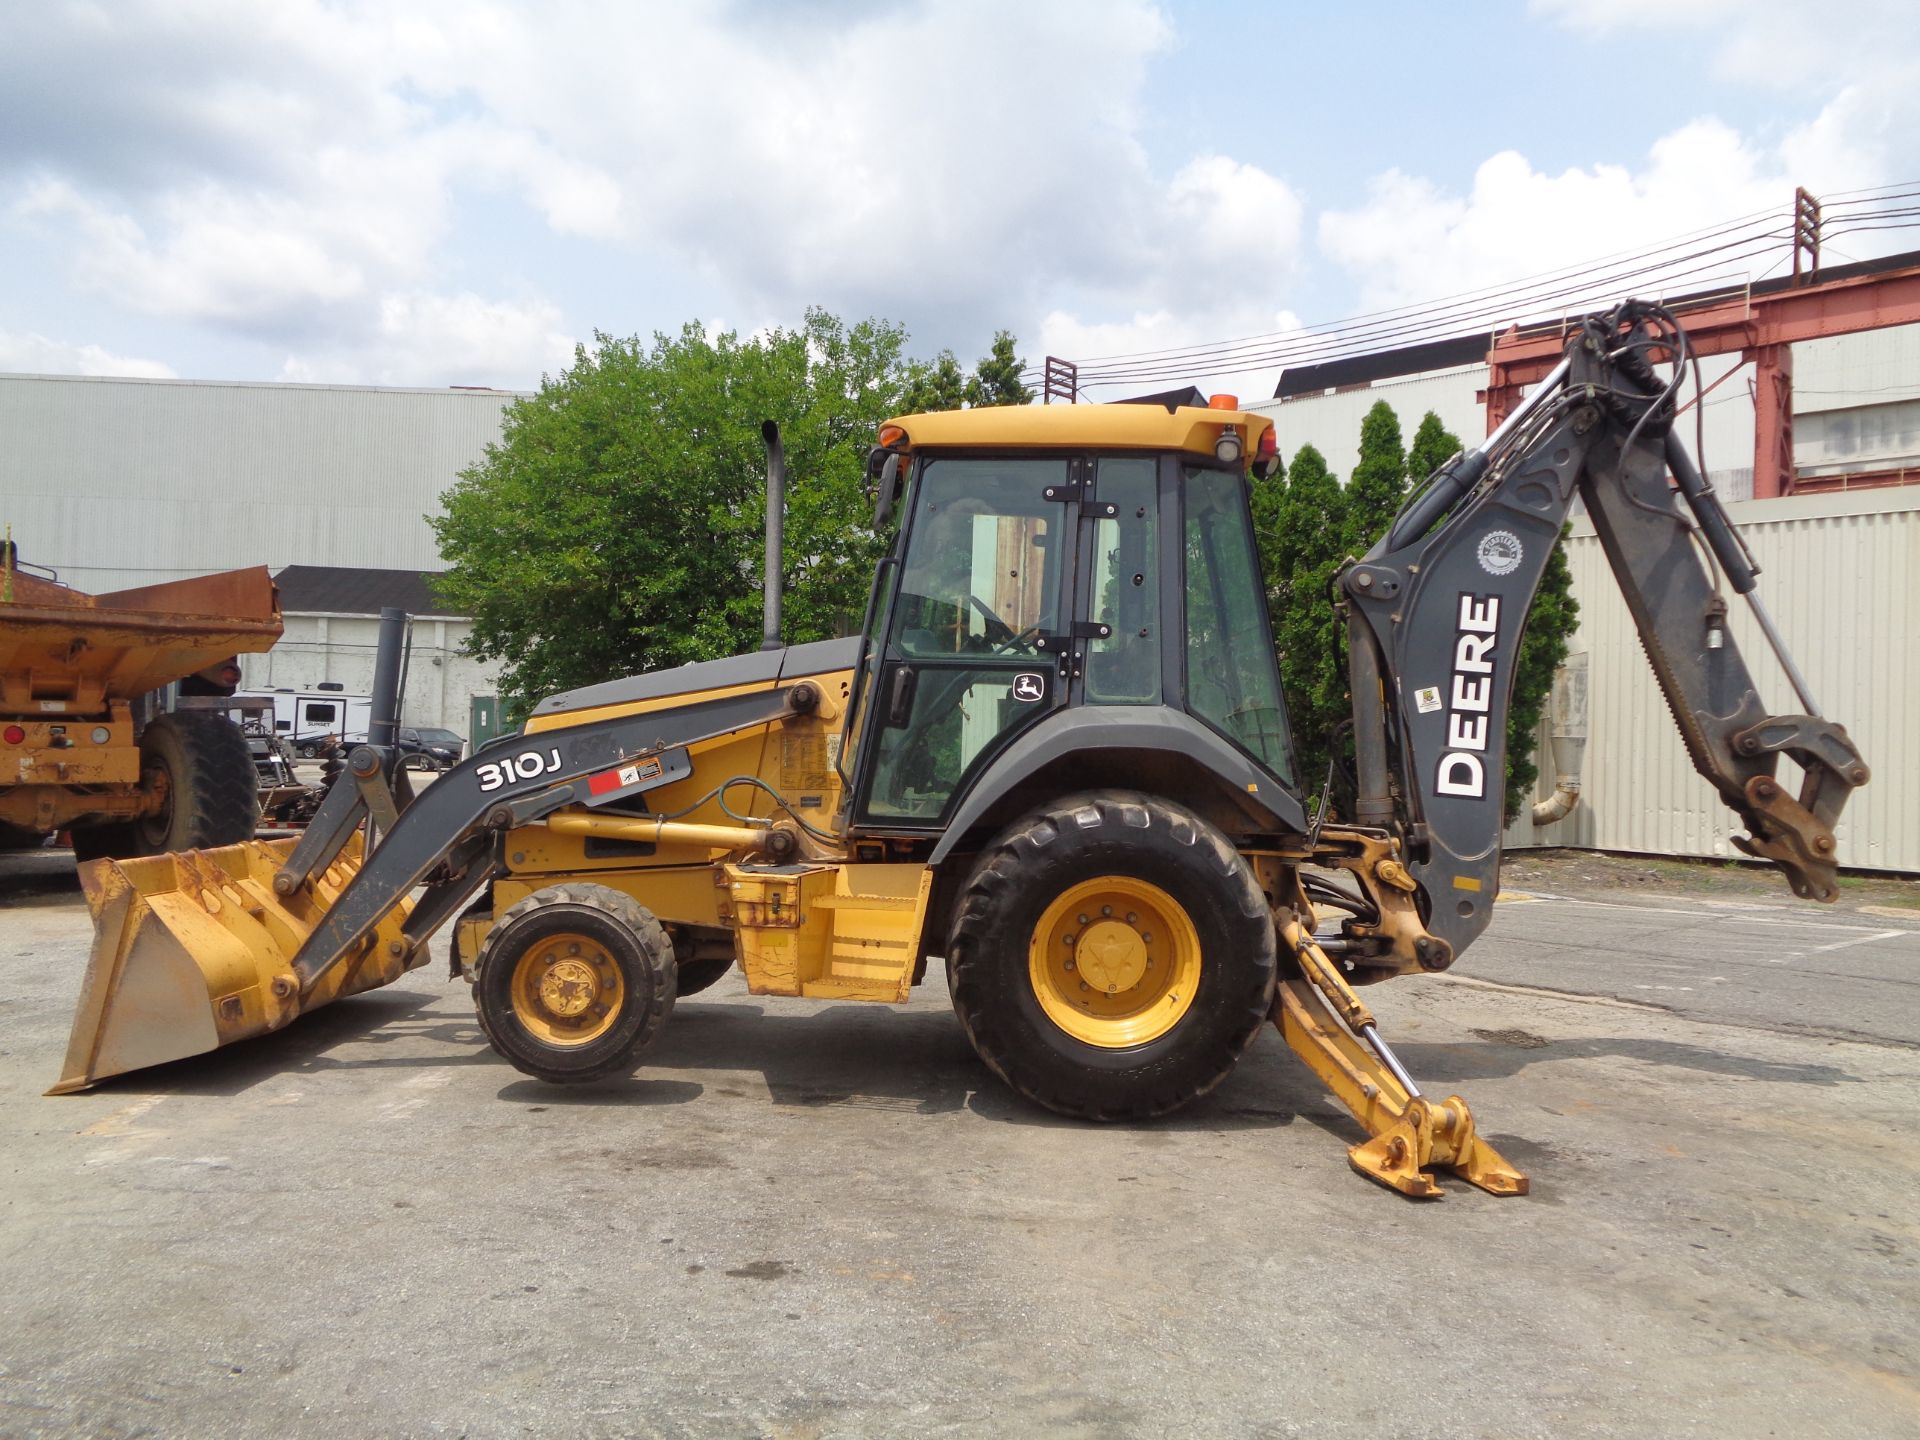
(194, 951)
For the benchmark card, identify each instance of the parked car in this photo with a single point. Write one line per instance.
(421, 747)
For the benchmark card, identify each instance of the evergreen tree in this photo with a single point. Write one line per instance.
(1379, 482)
(1543, 646)
(1306, 551)
(1268, 498)
(1433, 445)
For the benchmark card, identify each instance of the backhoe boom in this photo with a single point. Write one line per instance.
(1436, 611)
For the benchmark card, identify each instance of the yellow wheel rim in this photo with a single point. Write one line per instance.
(1115, 962)
(567, 990)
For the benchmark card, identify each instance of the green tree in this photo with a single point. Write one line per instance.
(1379, 482)
(1268, 498)
(934, 385)
(1433, 445)
(1543, 647)
(996, 379)
(1307, 547)
(940, 384)
(616, 527)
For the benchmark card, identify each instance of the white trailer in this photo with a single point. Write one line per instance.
(304, 718)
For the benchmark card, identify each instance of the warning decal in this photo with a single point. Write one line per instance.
(624, 778)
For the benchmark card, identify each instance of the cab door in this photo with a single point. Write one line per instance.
(970, 653)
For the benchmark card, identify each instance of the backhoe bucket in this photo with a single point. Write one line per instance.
(193, 951)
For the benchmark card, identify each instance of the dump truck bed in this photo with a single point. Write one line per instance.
(62, 650)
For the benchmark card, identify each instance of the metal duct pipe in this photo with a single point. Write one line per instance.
(1566, 740)
(776, 524)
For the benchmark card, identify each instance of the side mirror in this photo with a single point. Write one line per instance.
(886, 492)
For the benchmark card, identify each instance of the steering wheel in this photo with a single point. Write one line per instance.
(1000, 635)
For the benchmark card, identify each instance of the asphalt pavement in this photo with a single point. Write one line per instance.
(823, 1220)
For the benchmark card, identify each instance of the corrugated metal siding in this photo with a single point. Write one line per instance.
(126, 482)
(1841, 577)
(1870, 368)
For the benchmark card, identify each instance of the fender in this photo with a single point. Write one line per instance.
(1250, 799)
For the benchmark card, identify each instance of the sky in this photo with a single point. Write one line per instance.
(440, 194)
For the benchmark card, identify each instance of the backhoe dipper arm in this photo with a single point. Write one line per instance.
(1436, 609)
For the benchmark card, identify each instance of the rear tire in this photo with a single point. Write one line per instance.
(1177, 951)
(201, 763)
(574, 982)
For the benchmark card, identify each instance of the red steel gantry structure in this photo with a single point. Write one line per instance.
(1758, 326)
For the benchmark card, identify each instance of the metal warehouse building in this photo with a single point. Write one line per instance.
(114, 483)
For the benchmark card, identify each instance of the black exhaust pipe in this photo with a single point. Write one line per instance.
(776, 524)
(383, 724)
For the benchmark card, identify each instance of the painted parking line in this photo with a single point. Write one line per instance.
(1860, 940)
(1768, 920)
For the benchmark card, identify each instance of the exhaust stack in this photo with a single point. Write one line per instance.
(776, 524)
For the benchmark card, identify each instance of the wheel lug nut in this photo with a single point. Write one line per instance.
(1132, 919)
(1067, 939)
(1106, 909)
(1069, 964)
(1085, 986)
(1083, 920)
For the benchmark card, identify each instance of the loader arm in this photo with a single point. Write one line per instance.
(198, 950)
(1436, 608)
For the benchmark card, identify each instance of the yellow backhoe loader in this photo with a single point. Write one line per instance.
(1056, 758)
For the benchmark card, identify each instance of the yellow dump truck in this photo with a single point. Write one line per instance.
(84, 746)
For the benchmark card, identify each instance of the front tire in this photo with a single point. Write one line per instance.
(1112, 956)
(574, 982)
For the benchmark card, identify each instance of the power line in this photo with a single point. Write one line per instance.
(1720, 249)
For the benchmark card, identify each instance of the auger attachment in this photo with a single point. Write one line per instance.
(1330, 1027)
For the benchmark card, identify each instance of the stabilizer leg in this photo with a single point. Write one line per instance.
(1325, 1024)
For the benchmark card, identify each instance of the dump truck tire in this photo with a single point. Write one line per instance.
(1111, 956)
(574, 982)
(212, 791)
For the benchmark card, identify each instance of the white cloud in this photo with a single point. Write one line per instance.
(1415, 239)
(1411, 240)
(24, 352)
(426, 338)
(288, 174)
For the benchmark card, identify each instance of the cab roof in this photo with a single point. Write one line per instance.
(1082, 427)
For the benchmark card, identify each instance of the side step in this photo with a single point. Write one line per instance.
(827, 932)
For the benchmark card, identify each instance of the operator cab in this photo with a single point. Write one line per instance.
(1033, 575)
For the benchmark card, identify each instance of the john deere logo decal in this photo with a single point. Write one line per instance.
(1499, 552)
(1028, 686)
